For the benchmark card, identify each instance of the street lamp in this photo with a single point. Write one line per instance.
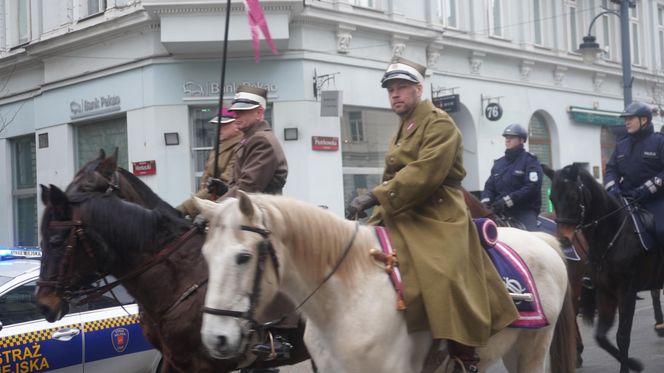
(589, 49)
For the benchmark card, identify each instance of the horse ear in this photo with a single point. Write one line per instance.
(246, 207)
(205, 206)
(573, 171)
(57, 198)
(102, 154)
(109, 165)
(548, 171)
(44, 194)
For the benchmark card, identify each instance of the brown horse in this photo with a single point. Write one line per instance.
(575, 269)
(109, 222)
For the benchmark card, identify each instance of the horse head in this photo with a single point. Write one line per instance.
(576, 197)
(75, 228)
(244, 273)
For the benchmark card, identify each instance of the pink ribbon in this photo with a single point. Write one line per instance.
(257, 21)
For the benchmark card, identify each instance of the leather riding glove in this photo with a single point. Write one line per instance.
(498, 205)
(615, 191)
(359, 204)
(637, 193)
(216, 186)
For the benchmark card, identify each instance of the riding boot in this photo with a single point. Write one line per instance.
(464, 358)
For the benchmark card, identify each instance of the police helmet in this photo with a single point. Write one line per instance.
(516, 130)
(637, 109)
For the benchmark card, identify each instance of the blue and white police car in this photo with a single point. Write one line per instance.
(97, 337)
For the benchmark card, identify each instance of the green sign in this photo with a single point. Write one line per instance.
(597, 117)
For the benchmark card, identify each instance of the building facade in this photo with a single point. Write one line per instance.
(144, 76)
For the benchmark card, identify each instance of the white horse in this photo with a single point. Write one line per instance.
(259, 245)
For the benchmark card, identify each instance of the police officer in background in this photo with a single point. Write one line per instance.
(515, 183)
(636, 167)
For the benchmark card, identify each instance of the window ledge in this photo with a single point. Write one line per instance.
(90, 16)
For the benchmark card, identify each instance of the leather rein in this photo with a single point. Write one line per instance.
(77, 239)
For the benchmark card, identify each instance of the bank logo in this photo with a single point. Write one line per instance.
(120, 339)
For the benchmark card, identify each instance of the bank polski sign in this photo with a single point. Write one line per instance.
(86, 107)
(208, 88)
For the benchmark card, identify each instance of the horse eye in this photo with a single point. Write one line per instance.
(242, 258)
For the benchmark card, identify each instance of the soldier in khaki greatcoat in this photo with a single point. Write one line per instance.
(229, 137)
(450, 286)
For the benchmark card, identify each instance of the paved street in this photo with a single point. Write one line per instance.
(646, 346)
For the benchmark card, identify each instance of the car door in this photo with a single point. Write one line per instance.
(28, 343)
(113, 339)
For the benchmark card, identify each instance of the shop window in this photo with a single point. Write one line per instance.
(107, 135)
(363, 161)
(203, 135)
(540, 145)
(366, 3)
(24, 191)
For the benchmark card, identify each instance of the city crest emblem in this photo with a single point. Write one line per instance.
(120, 339)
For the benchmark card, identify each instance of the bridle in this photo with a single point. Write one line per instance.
(265, 249)
(76, 238)
(577, 222)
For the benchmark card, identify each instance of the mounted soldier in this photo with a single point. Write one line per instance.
(444, 267)
(515, 184)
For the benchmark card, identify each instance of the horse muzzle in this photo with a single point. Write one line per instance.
(51, 306)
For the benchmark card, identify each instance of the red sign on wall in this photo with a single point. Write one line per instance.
(145, 168)
(324, 143)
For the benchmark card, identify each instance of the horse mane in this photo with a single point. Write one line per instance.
(151, 199)
(126, 227)
(316, 237)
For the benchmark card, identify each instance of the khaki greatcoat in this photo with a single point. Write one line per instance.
(225, 165)
(450, 286)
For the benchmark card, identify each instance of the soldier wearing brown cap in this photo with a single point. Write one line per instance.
(261, 165)
(450, 287)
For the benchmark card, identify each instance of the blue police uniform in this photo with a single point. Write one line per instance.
(636, 168)
(517, 179)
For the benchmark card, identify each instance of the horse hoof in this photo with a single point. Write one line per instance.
(635, 364)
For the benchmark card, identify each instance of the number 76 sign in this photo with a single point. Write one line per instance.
(493, 111)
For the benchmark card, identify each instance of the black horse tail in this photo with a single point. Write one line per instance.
(563, 345)
(588, 304)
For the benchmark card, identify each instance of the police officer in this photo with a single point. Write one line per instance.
(229, 137)
(515, 183)
(636, 167)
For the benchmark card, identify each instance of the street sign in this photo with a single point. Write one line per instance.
(448, 104)
(493, 111)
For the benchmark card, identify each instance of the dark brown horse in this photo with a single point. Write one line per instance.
(109, 222)
(618, 264)
(575, 269)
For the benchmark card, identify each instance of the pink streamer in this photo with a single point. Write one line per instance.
(257, 21)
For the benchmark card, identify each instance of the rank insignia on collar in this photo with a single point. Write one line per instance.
(411, 125)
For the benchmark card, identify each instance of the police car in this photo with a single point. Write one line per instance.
(96, 337)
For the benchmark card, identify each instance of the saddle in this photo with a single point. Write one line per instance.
(644, 224)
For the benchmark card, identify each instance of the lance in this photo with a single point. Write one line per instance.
(215, 173)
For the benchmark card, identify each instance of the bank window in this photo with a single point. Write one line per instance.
(496, 17)
(203, 135)
(24, 191)
(448, 13)
(539, 138)
(105, 134)
(363, 161)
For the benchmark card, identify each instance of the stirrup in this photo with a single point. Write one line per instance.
(461, 366)
(275, 348)
(587, 283)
